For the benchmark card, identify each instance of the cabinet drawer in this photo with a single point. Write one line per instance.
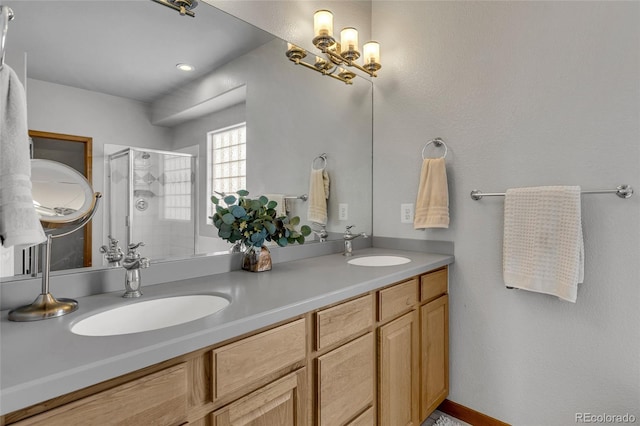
(397, 299)
(342, 321)
(433, 284)
(365, 419)
(282, 402)
(159, 399)
(253, 360)
(345, 381)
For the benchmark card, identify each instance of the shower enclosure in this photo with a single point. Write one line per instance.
(152, 199)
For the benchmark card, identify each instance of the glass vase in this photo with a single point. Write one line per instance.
(256, 259)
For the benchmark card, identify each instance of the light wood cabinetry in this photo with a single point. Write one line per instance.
(378, 359)
(434, 354)
(161, 396)
(256, 360)
(343, 321)
(281, 403)
(398, 364)
(345, 381)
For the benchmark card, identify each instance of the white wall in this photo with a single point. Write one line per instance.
(293, 20)
(524, 94)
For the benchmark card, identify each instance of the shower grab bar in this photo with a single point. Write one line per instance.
(6, 15)
(622, 191)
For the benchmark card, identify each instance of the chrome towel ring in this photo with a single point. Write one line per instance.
(437, 142)
(323, 165)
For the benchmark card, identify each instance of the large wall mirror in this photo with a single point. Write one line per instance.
(106, 70)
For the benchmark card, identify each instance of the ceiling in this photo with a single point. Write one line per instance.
(121, 47)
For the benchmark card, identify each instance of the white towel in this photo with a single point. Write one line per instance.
(19, 224)
(432, 203)
(280, 208)
(318, 195)
(543, 249)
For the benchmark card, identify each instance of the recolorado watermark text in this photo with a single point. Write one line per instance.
(605, 418)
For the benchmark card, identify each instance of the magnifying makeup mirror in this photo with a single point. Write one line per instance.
(65, 202)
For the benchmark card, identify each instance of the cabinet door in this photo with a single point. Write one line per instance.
(434, 340)
(398, 366)
(345, 381)
(281, 403)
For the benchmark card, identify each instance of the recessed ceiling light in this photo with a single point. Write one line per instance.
(185, 67)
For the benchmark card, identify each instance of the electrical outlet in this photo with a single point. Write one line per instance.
(406, 213)
(343, 211)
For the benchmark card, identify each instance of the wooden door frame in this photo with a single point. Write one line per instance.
(88, 173)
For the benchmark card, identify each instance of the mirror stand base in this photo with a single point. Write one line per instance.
(45, 306)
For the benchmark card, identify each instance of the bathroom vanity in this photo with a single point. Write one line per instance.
(314, 341)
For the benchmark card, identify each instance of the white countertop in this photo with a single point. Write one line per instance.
(43, 359)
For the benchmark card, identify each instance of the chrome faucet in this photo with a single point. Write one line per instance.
(322, 233)
(348, 237)
(132, 264)
(113, 253)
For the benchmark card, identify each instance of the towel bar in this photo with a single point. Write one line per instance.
(622, 191)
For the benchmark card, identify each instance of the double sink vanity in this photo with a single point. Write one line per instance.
(314, 341)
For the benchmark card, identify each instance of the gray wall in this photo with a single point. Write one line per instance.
(107, 119)
(524, 94)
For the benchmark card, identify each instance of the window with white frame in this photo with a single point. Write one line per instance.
(226, 162)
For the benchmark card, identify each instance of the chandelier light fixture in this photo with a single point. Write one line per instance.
(337, 55)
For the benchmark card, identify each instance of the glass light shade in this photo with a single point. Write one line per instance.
(371, 53)
(349, 39)
(323, 23)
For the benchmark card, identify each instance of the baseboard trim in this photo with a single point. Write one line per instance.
(468, 415)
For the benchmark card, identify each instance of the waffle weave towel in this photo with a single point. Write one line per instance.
(543, 249)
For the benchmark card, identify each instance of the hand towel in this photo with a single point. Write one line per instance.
(19, 223)
(318, 194)
(281, 207)
(543, 249)
(432, 204)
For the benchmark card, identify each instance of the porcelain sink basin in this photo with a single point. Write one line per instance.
(150, 315)
(379, 261)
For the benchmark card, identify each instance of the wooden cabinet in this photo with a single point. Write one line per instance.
(398, 365)
(160, 396)
(282, 403)
(434, 354)
(253, 361)
(345, 381)
(380, 358)
(413, 350)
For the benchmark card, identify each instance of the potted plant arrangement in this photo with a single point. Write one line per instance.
(252, 222)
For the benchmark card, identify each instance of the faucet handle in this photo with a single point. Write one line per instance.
(349, 227)
(134, 246)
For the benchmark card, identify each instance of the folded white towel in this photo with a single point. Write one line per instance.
(318, 194)
(19, 224)
(281, 207)
(432, 203)
(543, 249)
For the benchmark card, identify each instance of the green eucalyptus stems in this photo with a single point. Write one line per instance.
(254, 221)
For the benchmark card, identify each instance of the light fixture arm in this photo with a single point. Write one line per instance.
(338, 58)
(297, 54)
(182, 6)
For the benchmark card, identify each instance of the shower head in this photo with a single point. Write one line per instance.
(145, 155)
